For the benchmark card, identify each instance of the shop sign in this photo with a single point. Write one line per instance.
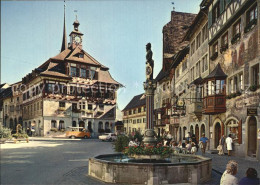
(252, 112)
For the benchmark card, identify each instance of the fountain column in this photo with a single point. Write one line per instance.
(149, 87)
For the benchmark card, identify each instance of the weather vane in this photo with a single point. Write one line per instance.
(76, 11)
(173, 6)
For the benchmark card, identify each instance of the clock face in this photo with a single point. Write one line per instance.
(77, 39)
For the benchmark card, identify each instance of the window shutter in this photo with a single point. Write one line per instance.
(222, 5)
(210, 19)
(240, 132)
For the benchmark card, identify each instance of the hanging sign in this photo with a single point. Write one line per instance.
(251, 112)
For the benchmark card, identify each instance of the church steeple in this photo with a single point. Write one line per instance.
(64, 37)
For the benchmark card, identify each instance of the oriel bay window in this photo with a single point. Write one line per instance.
(214, 100)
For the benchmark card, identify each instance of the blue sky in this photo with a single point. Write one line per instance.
(115, 33)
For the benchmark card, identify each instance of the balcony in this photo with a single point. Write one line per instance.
(214, 104)
(214, 101)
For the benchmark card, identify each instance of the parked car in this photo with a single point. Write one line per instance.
(107, 137)
(80, 132)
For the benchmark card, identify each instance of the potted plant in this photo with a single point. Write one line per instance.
(20, 135)
(5, 134)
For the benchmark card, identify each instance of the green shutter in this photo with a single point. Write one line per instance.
(210, 19)
(222, 5)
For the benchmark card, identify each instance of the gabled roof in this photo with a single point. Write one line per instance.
(217, 73)
(105, 77)
(162, 74)
(137, 101)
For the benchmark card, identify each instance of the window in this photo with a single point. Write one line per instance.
(237, 28)
(83, 73)
(204, 33)
(240, 82)
(90, 107)
(61, 104)
(215, 12)
(198, 69)
(204, 63)
(144, 120)
(139, 109)
(231, 86)
(92, 72)
(215, 48)
(252, 14)
(255, 75)
(73, 71)
(177, 74)
(61, 125)
(225, 39)
(198, 40)
(192, 47)
(101, 107)
(81, 55)
(184, 65)
(53, 124)
(211, 88)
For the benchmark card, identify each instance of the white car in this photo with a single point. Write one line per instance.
(107, 137)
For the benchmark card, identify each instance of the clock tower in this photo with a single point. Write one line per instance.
(76, 36)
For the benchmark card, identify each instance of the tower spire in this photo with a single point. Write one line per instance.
(64, 37)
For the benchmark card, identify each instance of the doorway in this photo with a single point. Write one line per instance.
(197, 133)
(252, 136)
(217, 134)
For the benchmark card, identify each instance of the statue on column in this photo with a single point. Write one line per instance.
(149, 62)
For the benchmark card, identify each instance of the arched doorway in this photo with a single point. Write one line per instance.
(184, 133)
(107, 127)
(252, 136)
(217, 134)
(180, 136)
(202, 130)
(11, 124)
(100, 127)
(61, 125)
(82, 124)
(74, 123)
(197, 130)
(90, 126)
(191, 130)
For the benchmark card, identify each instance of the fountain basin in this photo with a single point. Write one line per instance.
(117, 168)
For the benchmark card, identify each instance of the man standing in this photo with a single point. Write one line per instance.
(203, 141)
(221, 144)
(229, 142)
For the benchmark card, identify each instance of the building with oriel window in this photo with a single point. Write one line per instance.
(69, 89)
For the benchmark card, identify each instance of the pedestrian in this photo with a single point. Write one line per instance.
(251, 178)
(221, 145)
(188, 146)
(187, 136)
(193, 148)
(229, 142)
(228, 177)
(203, 143)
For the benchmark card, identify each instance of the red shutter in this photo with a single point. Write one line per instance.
(240, 132)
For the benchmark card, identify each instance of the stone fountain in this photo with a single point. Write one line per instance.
(180, 168)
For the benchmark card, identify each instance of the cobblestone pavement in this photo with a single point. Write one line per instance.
(219, 164)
